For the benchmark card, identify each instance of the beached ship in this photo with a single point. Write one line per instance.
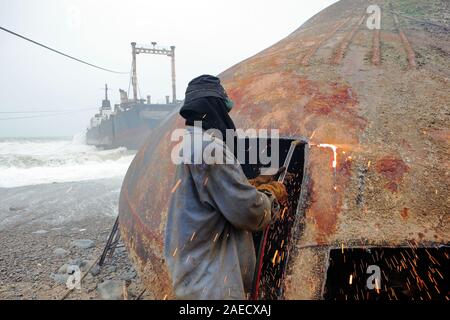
(131, 121)
(128, 123)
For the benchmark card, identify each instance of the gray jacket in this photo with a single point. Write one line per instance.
(208, 242)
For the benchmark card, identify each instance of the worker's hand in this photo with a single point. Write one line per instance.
(263, 179)
(277, 189)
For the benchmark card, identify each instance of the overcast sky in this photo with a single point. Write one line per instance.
(210, 36)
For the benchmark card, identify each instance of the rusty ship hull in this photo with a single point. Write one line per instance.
(380, 97)
(129, 128)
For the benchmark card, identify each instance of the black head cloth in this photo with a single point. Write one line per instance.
(205, 101)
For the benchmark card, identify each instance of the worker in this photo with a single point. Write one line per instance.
(214, 209)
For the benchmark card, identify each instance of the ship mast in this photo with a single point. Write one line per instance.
(106, 91)
(134, 75)
(152, 50)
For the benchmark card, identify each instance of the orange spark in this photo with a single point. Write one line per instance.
(274, 257)
(377, 285)
(176, 186)
(284, 211)
(312, 135)
(350, 281)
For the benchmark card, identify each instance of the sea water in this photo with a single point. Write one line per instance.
(33, 161)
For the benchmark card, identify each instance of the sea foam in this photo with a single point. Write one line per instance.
(34, 161)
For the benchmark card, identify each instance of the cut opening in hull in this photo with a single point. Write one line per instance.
(388, 274)
(277, 245)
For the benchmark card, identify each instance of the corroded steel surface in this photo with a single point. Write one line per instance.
(380, 97)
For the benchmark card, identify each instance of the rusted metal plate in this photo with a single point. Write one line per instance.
(387, 119)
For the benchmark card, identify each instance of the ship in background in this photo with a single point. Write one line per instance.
(131, 121)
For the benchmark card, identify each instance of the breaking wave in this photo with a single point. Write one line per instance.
(31, 161)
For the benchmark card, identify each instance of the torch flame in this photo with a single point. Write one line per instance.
(332, 147)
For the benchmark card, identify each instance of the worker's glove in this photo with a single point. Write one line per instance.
(263, 179)
(277, 189)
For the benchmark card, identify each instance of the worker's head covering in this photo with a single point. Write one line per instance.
(205, 86)
(206, 101)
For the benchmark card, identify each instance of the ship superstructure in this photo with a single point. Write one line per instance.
(130, 122)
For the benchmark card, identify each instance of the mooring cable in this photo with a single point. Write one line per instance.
(59, 52)
(62, 113)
